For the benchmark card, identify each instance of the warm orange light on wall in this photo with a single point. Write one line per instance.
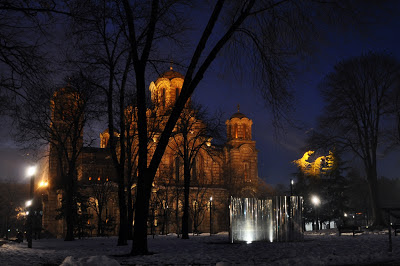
(98, 179)
(90, 178)
(43, 183)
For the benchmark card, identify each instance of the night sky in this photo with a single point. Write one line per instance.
(219, 90)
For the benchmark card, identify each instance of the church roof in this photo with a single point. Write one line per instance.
(171, 74)
(238, 114)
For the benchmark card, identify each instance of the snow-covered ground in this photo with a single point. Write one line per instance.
(317, 249)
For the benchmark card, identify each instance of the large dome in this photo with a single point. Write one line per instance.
(171, 74)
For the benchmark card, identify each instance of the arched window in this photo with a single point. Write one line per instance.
(200, 164)
(246, 172)
(235, 130)
(246, 132)
(163, 96)
(194, 171)
(195, 205)
(176, 94)
(214, 172)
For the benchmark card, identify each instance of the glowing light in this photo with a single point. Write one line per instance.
(292, 181)
(27, 213)
(211, 198)
(345, 214)
(43, 184)
(271, 232)
(28, 203)
(315, 200)
(320, 165)
(31, 171)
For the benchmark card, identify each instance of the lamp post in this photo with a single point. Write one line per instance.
(291, 187)
(316, 201)
(211, 198)
(31, 171)
(290, 210)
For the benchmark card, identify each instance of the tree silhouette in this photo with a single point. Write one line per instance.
(269, 36)
(358, 96)
(192, 135)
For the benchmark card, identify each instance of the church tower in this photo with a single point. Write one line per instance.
(241, 153)
(165, 91)
(66, 135)
(66, 129)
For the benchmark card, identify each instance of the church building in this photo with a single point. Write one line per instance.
(217, 171)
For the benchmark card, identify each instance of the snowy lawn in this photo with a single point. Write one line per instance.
(316, 249)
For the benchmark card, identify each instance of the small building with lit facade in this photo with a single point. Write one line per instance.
(217, 172)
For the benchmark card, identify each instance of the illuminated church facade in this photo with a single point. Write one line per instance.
(217, 173)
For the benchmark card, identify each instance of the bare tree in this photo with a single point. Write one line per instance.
(24, 29)
(100, 38)
(200, 202)
(358, 103)
(193, 133)
(57, 118)
(11, 198)
(274, 33)
(101, 192)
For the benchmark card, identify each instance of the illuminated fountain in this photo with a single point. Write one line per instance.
(274, 219)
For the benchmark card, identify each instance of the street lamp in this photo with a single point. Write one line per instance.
(291, 187)
(31, 171)
(211, 198)
(316, 201)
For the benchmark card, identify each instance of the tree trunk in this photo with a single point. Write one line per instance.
(130, 212)
(123, 228)
(373, 189)
(69, 216)
(99, 229)
(139, 245)
(70, 206)
(185, 216)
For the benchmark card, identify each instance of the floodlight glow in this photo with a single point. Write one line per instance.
(43, 184)
(28, 203)
(292, 181)
(31, 171)
(211, 198)
(315, 200)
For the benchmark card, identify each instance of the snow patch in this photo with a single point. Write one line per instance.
(90, 261)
